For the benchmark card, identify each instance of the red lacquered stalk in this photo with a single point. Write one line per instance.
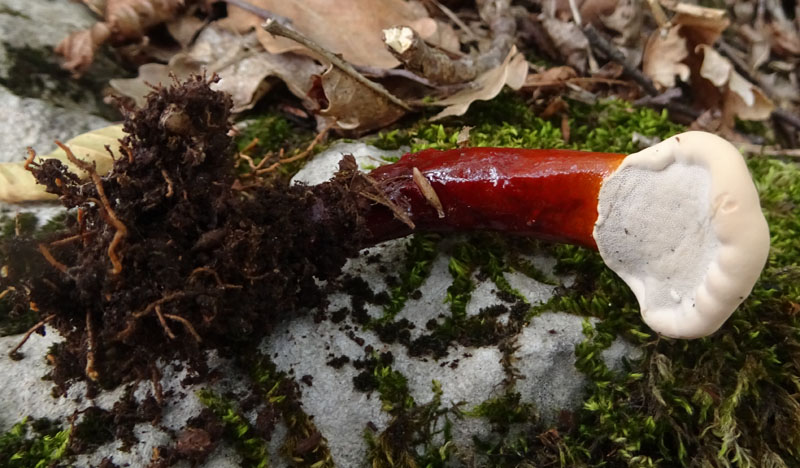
(549, 194)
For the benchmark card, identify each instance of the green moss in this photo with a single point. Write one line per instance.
(726, 400)
(252, 448)
(33, 444)
(417, 436)
(304, 444)
(420, 253)
(273, 132)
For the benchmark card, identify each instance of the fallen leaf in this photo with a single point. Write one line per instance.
(715, 68)
(18, 185)
(784, 38)
(664, 56)
(626, 20)
(350, 28)
(511, 72)
(348, 105)
(239, 61)
(569, 41)
(124, 21)
(739, 98)
(701, 25)
(556, 76)
(745, 101)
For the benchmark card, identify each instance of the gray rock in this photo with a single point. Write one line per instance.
(324, 164)
(467, 375)
(37, 123)
(40, 101)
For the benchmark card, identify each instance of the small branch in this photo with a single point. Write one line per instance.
(260, 12)
(408, 47)
(278, 29)
(455, 19)
(13, 353)
(756, 150)
(599, 42)
(425, 187)
(787, 117)
(91, 371)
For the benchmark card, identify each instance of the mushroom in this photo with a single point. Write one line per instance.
(680, 222)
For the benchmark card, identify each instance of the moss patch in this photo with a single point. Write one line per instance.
(33, 443)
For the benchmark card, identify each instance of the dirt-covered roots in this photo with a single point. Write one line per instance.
(162, 258)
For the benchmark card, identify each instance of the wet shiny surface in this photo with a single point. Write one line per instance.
(551, 194)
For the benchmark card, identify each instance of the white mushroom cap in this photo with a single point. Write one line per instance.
(680, 222)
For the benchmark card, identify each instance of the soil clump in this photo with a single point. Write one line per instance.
(168, 255)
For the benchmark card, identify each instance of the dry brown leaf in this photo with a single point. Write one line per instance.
(350, 106)
(783, 38)
(739, 97)
(185, 28)
(238, 60)
(569, 41)
(350, 28)
(745, 101)
(124, 21)
(512, 72)
(664, 56)
(715, 68)
(701, 25)
(626, 20)
(18, 185)
(555, 76)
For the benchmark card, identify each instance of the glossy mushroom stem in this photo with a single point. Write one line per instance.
(549, 194)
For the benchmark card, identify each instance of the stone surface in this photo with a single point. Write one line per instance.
(37, 123)
(324, 164)
(40, 101)
(303, 346)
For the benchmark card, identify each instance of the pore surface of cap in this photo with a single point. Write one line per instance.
(681, 223)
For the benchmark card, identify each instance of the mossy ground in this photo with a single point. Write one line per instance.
(727, 400)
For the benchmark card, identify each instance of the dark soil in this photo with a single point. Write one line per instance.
(168, 256)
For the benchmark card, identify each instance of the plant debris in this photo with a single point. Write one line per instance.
(163, 257)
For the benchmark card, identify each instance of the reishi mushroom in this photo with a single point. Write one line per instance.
(680, 222)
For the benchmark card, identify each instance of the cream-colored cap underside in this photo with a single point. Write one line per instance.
(681, 224)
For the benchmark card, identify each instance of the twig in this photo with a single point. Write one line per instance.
(121, 230)
(260, 12)
(408, 47)
(52, 260)
(597, 41)
(750, 148)
(13, 353)
(658, 14)
(425, 187)
(278, 29)
(91, 371)
(787, 117)
(455, 19)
